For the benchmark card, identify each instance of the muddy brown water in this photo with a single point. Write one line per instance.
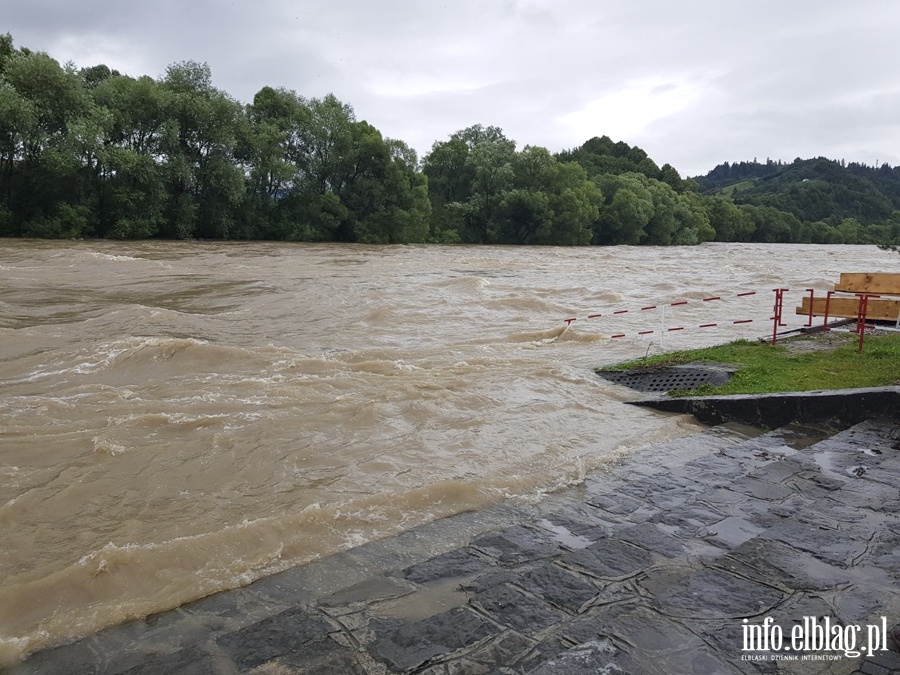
(182, 418)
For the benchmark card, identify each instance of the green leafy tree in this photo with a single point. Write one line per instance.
(694, 226)
(851, 231)
(663, 225)
(627, 209)
(42, 173)
(819, 233)
(730, 222)
(7, 50)
(669, 176)
(451, 177)
(576, 202)
(600, 156)
(134, 174)
(770, 225)
(387, 199)
(328, 143)
(18, 120)
(553, 203)
(528, 217)
(492, 166)
(205, 185)
(536, 169)
(96, 74)
(272, 149)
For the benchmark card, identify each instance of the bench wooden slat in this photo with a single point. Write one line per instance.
(869, 282)
(847, 308)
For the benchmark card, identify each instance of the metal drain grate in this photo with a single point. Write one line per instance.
(663, 379)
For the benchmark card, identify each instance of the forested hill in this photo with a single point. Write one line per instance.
(811, 189)
(91, 152)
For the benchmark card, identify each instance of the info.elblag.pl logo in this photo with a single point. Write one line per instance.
(812, 639)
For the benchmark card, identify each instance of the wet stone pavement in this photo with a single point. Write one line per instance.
(648, 567)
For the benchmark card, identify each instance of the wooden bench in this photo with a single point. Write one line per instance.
(877, 309)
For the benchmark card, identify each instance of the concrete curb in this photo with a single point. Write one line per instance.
(841, 407)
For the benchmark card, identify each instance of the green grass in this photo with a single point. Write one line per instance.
(730, 190)
(764, 368)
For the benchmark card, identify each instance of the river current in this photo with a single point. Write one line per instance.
(182, 418)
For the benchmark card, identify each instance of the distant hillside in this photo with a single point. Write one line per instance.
(813, 190)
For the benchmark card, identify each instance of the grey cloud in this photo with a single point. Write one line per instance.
(762, 78)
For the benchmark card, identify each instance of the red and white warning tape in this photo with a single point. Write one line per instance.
(671, 304)
(675, 328)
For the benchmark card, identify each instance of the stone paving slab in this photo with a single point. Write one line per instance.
(650, 566)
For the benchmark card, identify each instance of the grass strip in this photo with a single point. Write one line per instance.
(811, 362)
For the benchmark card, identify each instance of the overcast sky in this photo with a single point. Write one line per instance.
(694, 83)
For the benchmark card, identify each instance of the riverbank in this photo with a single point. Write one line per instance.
(652, 566)
(804, 362)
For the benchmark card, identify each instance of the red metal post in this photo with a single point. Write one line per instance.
(861, 311)
(776, 320)
(812, 296)
(827, 304)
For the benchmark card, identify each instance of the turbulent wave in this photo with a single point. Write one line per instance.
(117, 258)
(547, 335)
(524, 304)
(151, 356)
(465, 285)
(380, 315)
(575, 335)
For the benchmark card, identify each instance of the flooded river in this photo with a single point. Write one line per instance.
(182, 418)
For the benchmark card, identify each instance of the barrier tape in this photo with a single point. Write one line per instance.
(777, 319)
(650, 307)
(675, 328)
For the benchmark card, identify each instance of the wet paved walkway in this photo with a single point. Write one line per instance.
(649, 567)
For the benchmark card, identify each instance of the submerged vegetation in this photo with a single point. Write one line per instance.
(799, 364)
(91, 152)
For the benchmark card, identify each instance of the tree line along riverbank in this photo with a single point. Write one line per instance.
(90, 152)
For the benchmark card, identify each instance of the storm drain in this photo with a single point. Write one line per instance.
(668, 378)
